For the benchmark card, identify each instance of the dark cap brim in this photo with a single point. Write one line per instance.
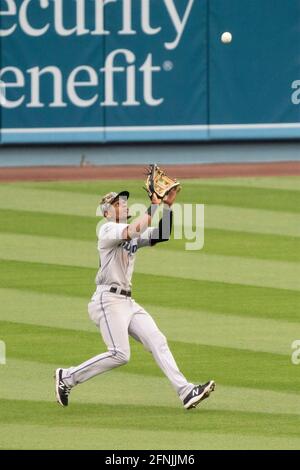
(121, 194)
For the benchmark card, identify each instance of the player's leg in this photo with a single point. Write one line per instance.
(144, 329)
(111, 313)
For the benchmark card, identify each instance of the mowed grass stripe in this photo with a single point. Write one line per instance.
(48, 250)
(241, 193)
(43, 437)
(233, 299)
(56, 202)
(228, 366)
(179, 324)
(49, 225)
(37, 384)
(160, 419)
(229, 269)
(243, 244)
(289, 183)
(252, 220)
(221, 216)
(35, 381)
(218, 217)
(224, 242)
(92, 187)
(187, 265)
(250, 198)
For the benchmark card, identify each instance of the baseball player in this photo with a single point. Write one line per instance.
(115, 312)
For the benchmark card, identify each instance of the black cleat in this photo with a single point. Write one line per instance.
(199, 393)
(62, 391)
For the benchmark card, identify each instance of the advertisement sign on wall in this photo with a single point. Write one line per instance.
(129, 70)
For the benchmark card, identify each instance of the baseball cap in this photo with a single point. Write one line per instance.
(110, 198)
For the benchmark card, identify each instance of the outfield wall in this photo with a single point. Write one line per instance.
(88, 71)
(138, 154)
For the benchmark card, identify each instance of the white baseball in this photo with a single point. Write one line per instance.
(226, 38)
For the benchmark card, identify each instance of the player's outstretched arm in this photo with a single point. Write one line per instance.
(136, 228)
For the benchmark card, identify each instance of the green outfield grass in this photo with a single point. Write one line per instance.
(230, 313)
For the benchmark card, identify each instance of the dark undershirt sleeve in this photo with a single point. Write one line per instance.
(163, 232)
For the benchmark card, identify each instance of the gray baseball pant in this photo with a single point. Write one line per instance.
(117, 316)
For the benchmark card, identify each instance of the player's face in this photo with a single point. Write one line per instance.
(120, 209)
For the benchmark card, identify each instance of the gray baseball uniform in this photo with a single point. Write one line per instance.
(118, 316)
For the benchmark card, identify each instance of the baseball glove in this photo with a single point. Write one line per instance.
(159, 183)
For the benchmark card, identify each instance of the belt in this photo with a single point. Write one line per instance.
(117, 290)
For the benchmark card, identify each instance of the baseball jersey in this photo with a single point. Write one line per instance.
(117, 256)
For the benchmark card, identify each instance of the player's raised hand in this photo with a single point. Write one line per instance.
(155, 199)
(169, 199)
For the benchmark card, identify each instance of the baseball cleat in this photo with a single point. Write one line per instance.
(62, 391)
(199, 393)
